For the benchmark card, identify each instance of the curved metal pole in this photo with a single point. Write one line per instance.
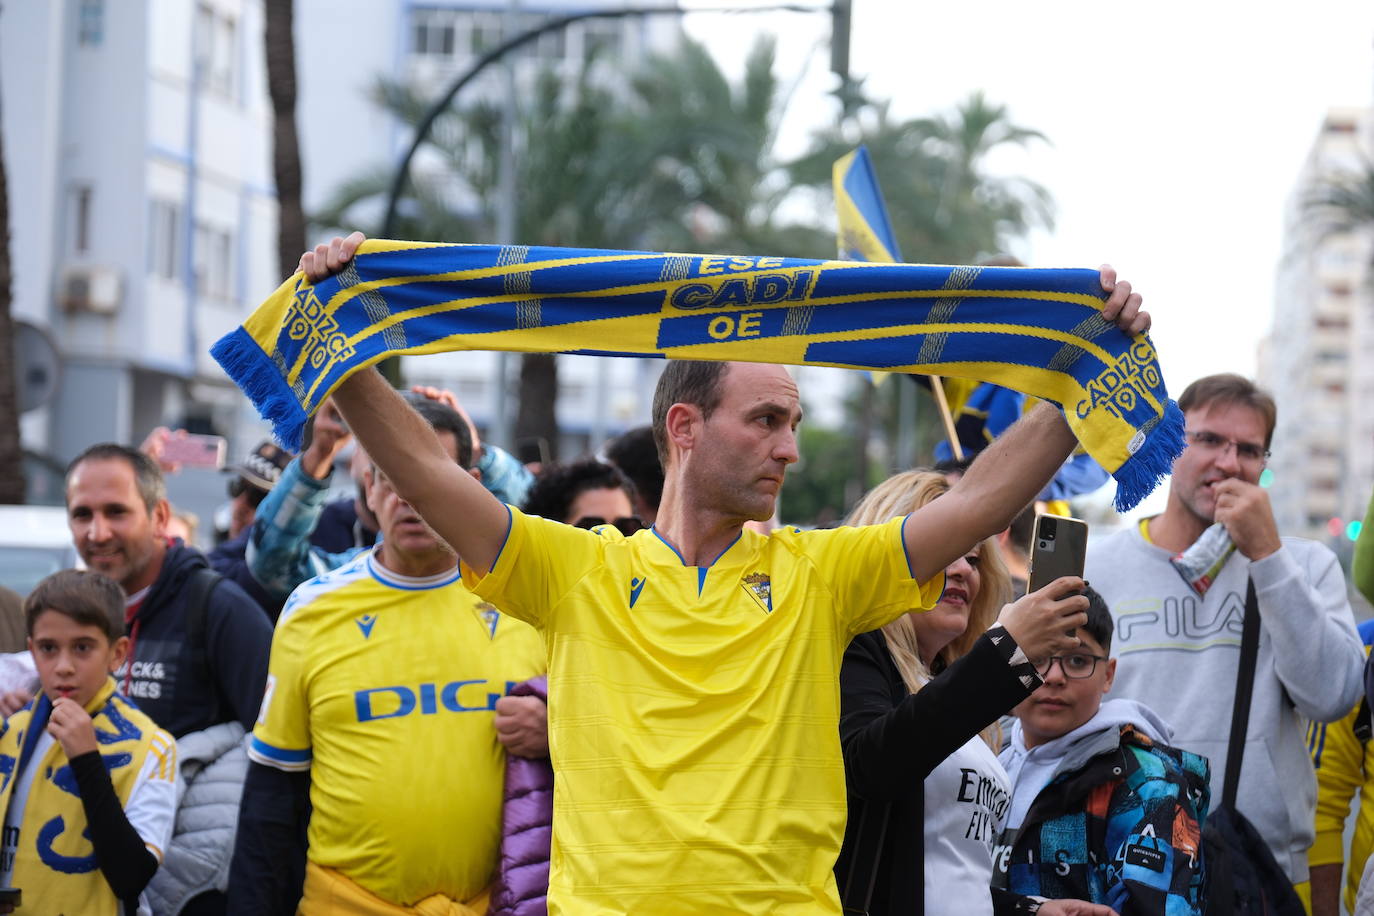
(422, 131)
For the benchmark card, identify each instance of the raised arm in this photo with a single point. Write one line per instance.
(1006, 476)
(1012, 470)
(403, 445)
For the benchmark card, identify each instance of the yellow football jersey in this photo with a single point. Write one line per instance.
(694, 711)
(384, 687)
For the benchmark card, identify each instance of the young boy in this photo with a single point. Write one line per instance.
(1102, 809)
(89, 782)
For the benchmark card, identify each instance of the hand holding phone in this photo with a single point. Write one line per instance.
(1043, 622)
(1058, 549)
(189, 450)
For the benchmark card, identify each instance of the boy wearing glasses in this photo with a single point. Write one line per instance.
(1102, 809)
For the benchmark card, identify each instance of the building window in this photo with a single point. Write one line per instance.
(433, 33)
(81, 219)
(212, 260)
(164, 233)
(90, 23)
(216, 42)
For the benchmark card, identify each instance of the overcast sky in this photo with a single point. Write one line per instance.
(1177, 131)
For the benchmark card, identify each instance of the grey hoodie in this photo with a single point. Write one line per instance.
(1031, 770)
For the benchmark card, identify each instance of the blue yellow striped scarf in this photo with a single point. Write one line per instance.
(1038, 331)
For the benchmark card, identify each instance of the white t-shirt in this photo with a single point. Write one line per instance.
(966, 800)
(151, 809)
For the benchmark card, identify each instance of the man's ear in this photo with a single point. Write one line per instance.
(476, 473)
(162, 514)
(369, 478)
(682, 424)
(119, 650)
(1111, 674)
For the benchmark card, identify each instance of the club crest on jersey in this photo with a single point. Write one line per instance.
(365, 624)
(489, 616)
(761, 587)
(636, 586)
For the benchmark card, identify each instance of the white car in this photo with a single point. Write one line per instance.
(34, 542)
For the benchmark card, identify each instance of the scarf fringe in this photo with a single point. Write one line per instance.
(254, 372)
(1146, 469)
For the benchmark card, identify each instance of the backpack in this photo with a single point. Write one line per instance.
(1242, 876)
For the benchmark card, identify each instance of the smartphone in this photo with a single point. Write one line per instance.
(11, 895)
(1058, 549)
(195, 451)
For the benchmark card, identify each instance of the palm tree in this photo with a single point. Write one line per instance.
(707, 146)
(286, 154)
(682, 161)
(573, 191)
(11, 449)
(1343, 202)
(945, 207)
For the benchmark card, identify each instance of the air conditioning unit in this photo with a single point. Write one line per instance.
(87, 288)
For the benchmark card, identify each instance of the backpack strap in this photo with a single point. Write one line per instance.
(1363, 727)
(1245, 686)
(198, 591)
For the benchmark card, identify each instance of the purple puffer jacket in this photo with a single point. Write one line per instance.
(522, 879)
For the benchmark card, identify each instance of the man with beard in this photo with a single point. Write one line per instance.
(197, 656)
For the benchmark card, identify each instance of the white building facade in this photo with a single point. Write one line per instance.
(143, 218)
(1316, 360)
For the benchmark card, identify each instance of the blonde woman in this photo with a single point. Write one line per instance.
(926, 793)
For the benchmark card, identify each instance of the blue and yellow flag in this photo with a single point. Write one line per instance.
(865, 230)
(1038, 331)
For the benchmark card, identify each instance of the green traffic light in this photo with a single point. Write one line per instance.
(1266, 478)
(1352, 530)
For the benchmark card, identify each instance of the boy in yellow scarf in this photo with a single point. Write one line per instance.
(87, 781)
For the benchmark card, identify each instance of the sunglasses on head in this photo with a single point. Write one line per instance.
(626, 524)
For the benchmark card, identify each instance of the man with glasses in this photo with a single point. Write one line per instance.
(1176, 584)
(1102, 809)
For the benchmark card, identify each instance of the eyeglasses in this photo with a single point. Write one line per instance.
(1252, 452)
(255, 494)
(626, 524)
(1077, 666)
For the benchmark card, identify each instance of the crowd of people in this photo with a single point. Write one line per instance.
(619, 687)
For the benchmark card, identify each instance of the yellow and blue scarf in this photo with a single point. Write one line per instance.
(55, 865)
(1038, 331)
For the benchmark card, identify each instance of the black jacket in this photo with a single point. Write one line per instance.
(181, 690)
(230, 561)
(892, 739)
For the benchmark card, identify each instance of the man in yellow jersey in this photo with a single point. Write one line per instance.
(1343, 754)
(380, 702)
(693, 667)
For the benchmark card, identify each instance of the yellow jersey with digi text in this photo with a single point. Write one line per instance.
(383, 687)
(694, 711)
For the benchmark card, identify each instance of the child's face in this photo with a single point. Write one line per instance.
(73, 659)
(1063, 703)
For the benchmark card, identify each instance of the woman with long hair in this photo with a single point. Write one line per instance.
(926, 793)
